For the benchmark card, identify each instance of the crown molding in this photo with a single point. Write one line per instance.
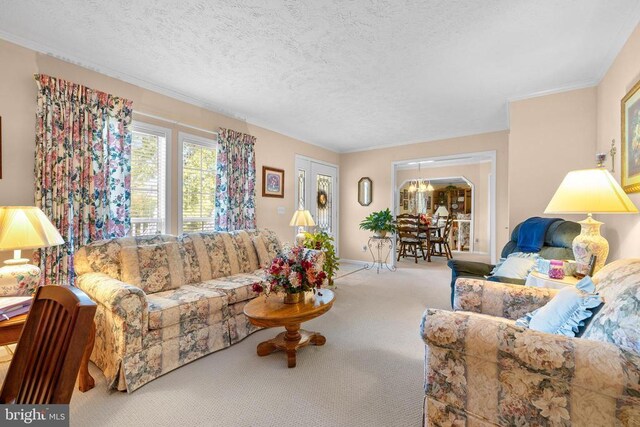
(118, 75)
(437, 138)
(142, 83)
(566, 88)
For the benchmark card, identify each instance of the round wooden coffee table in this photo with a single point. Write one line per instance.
(272, 312)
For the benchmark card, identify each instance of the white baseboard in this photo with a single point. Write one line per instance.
(354, 261)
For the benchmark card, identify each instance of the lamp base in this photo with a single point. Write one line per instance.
(17, 261)
(590, 242)
(300, 238)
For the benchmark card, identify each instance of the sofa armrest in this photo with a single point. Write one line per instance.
(469, 268)
(122, 314)
(529, 360)
(499, 299)
(121, 298)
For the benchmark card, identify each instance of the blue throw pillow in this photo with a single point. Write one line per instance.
(518, 265)
(565, 314)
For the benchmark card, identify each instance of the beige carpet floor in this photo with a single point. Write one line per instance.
(369, 373)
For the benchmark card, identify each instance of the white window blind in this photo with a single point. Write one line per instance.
(198, 182)
(149, 196)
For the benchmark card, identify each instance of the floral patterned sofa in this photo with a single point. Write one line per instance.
(164, 301)
(481, 369)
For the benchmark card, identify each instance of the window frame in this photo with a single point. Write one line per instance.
(166, 133)
(193, 139)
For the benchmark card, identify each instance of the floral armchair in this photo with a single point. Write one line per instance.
(482, 369)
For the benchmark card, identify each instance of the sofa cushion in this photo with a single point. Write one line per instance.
(617, 321)
(208, 254)
(243, 250)
(184, 305)
(267, 246)
(103, 256)
(221, 254)
(236, 287)
(155, 268)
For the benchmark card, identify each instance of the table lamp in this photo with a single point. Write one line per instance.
(25, 227)
(301, 219)
(590, 191)
(442, 211)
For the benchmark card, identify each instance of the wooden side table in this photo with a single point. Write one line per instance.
(11, 329)
(541, 280)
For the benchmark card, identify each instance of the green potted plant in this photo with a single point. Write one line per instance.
(325, 243)
(379, 222)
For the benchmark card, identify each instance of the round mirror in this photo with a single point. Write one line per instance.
(365, 191)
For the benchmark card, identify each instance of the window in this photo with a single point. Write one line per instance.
(149, 177)
(197, 183)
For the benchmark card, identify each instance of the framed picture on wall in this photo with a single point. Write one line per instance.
(428, 203)
(272, 182)
(631, 140)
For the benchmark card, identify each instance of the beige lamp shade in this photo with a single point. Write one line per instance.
(26, 227)
(302, 218)
(590, 191)
(442, 211)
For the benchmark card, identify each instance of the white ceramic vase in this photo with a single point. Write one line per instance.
(590, 242)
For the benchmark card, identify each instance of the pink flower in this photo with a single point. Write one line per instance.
(294, 280)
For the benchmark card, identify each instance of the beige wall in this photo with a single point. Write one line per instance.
(478, 174)
(549, 136)
(622, 231)
(377, 164)
(18, 106)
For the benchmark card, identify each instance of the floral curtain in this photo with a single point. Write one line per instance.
(235, 181)
(82, 169)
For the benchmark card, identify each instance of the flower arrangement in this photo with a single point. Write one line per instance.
(425, 219)
(293, 271)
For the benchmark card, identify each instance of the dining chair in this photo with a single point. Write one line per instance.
(47, 359)
(444, 249)
(407, 227)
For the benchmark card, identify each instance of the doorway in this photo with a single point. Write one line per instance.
(432, 198)
(317, 191)
(481, 199)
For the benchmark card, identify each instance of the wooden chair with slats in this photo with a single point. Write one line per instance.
(409, 242)
(45, 364)
(442, 241)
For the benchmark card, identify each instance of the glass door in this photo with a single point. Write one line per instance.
(317, 191)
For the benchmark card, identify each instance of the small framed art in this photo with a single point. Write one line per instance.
(630, 107)
(272, 182)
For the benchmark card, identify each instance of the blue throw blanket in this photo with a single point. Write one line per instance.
(532, 232)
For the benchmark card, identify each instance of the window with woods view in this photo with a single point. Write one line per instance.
(149, 179)
(198, 173)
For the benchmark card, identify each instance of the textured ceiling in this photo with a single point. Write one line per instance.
(346, 75)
